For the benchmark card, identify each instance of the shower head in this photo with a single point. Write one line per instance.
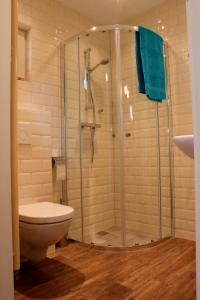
(102, 62)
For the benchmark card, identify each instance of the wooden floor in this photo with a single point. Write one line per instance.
(78, 272)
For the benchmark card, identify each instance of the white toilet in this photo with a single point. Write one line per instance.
(41, 225)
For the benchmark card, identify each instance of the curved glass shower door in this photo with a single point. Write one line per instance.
(117, 144)
(141, 154)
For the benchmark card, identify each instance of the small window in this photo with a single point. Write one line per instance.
(23, 52)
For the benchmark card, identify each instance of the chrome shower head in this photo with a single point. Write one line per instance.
(102, 62)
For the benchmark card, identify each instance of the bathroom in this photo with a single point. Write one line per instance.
(102, 180)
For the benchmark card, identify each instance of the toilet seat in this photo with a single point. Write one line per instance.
(45, 213)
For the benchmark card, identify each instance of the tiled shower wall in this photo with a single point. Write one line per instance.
(97, 176)
(146, 143)
(169, 20)
(146, 146)
(40, 97)
(100, 185)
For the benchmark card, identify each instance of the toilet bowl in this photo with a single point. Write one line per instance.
(41, 225)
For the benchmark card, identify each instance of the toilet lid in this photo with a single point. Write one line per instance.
(45, 213)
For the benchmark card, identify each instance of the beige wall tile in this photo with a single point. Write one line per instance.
(172, 15)
(40, 98)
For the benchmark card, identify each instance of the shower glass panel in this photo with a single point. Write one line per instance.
(117, 144)
(72, 143)
(96, 135)
(141, 163)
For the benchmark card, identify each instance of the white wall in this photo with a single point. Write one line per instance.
(144, 125)
(6, 268)
(193, 7)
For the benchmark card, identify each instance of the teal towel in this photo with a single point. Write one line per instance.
(150, 64)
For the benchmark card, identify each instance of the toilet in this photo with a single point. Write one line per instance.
(42, 224)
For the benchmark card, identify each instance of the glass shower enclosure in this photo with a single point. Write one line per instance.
(117, 144)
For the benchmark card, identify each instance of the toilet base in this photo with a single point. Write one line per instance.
(36, 238)
(34, 254)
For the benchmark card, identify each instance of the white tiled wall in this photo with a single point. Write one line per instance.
(141, 150)
(40, 98)
(169, 20)
(97, 177)
(100, 186)
(141, 155)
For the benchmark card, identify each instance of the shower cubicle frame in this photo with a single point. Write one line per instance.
(116, 28)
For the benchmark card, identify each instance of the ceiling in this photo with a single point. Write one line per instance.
(110, 11)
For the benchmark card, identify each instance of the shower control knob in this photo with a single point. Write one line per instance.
(128, 134)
